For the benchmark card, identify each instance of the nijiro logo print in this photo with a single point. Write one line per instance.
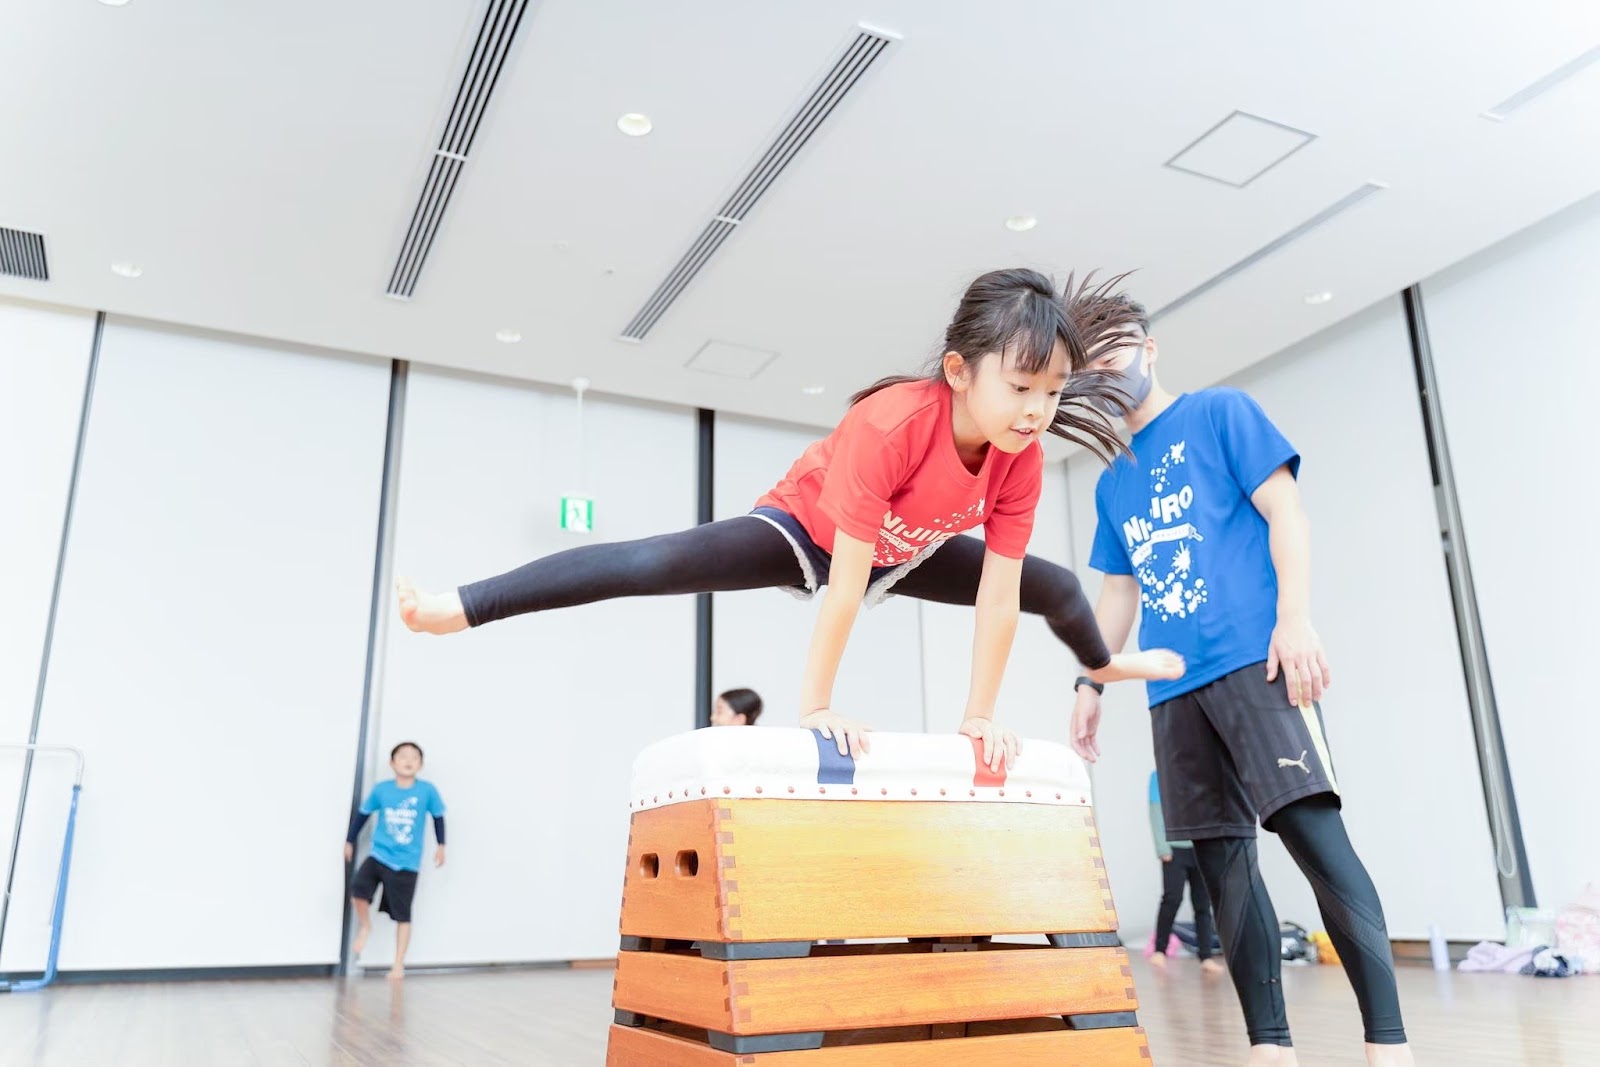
(401, 821)
(1159, 544)
(899, 540)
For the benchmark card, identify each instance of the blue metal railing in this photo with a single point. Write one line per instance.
(59, 909)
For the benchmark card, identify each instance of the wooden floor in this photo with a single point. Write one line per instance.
(559, 1018)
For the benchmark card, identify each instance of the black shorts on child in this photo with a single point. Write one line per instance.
(399, 887)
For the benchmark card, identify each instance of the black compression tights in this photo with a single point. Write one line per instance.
(1313, 832)
(749, 553)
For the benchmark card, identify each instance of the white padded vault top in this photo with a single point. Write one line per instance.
(747, 762)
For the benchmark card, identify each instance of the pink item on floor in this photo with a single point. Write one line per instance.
(1174, 946)
(1493, 956)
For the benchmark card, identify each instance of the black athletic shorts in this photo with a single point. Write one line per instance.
(1234, 751)
(399, 887)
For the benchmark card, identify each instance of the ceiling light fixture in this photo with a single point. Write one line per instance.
(634, 124)
(1021, 223)
(507, 337)
(812, 390)
(1319, 298)
(127, 270)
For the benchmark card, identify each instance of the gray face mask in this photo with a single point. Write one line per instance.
(1134, 380)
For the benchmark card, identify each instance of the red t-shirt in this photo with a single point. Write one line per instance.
(889, 473)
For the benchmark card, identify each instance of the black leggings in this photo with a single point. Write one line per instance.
(1180, 869)
(750, 553)
(1314, 834)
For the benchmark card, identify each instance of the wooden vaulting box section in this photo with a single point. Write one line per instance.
(753, 855)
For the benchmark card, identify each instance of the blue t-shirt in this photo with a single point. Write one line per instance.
(1179, 518)
(397, 836)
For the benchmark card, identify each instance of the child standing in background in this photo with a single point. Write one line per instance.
(401, 804)
(1177, 867)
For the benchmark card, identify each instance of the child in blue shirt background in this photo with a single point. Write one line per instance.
(401, 804)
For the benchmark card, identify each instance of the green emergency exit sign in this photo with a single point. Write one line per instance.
(577, 514)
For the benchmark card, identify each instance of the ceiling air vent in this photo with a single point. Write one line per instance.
(22, 255)
(857, 57)
(1277, 244)
(495, 37)
(1529, 93)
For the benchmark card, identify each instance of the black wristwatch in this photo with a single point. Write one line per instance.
(1090, 682)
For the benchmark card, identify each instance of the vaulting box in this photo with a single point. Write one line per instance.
(751, 847)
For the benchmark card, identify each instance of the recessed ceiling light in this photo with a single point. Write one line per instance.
(127, 270)
(113, 3)
(508, 337)
(812, 390)
(1021, 223)
(634, 124)
(1319, 298)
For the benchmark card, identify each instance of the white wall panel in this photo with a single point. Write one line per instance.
(531, 724)
(210, 646)
(1513, 334)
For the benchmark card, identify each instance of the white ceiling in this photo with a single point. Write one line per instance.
(260, 163)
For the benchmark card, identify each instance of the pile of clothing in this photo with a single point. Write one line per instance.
(1545, 944)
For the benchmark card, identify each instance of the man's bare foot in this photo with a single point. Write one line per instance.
(429, 613)
(1155, 663)
(1159, 961)
(1389, 1056)
(1272, 1056)
(1209, 965)
(361, 938)
(397, 972)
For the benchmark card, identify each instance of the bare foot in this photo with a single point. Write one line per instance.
(1155, 663)
(1272, 1056)
(361, 938)
(397, 972)
(1159, 961)
(1389, 1056)
(429, 613)
(1209, 965)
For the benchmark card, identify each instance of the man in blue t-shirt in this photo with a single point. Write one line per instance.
(401, 804)
(1202, 534)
